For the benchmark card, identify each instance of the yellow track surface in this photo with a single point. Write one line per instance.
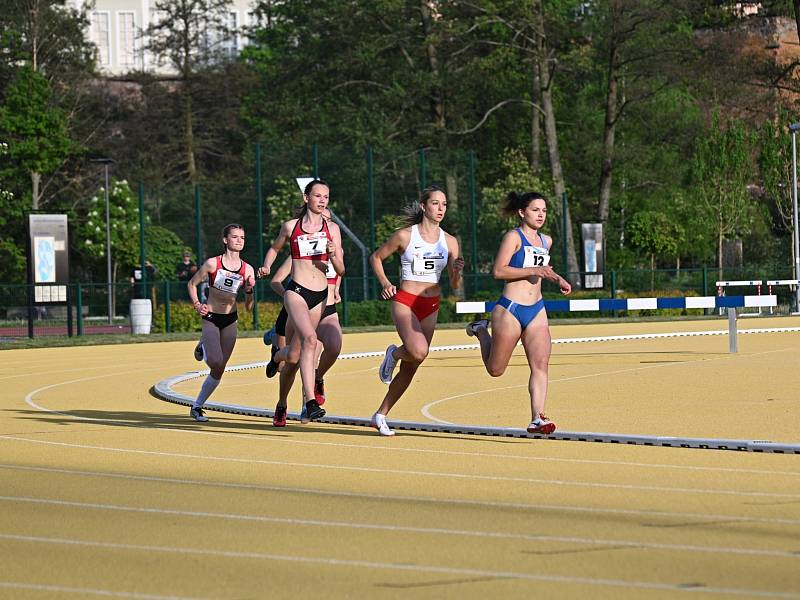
(106, 491)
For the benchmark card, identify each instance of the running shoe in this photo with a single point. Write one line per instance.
(198, 414)
(387, 366)
(472, 328)
(542, 424)
(272, 366)
(319, 391)
(279, 418)
(198, 352)
(268, 335)
(379, 422)
(313, 411)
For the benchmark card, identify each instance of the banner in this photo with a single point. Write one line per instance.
(593, 255)
(49, 257)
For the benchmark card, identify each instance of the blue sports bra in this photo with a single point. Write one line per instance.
(518, 258)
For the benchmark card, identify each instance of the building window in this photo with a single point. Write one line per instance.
(230, 46)
(127, 39)
(101, 36)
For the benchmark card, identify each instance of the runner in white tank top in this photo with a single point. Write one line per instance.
(423, 261)
(425, 250)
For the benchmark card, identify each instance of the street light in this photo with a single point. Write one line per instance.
(106, 162)
(794, 128)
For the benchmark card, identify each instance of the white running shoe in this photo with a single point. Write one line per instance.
(198, 414)
(379, 423)
(472, 328)
(541, 424)
(387, 366)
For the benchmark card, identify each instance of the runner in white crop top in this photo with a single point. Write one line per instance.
(423, 261)
(425, 250)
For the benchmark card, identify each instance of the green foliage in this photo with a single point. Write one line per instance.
(517, 176)
(721, 171)
(164, 250)
(34, 128)
(184, 318)
(655, 233)
(89, 226)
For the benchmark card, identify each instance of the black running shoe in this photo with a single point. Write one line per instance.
(314, 411)
(272, 366)
(198, 352)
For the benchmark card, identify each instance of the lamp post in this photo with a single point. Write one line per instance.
(106, 162)
(794, 128)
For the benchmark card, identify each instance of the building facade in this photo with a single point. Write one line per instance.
(116, 28)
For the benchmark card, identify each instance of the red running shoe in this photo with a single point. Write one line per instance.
(319, 391)
(542, 424)
(279, 418)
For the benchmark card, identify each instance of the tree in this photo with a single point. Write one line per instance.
(190, 38)
(654, 233)
(520, 178)
(721, 171)
(35, 129)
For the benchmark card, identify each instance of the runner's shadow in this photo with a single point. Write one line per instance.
(228, 424)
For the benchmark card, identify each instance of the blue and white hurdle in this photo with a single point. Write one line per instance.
(609, 304)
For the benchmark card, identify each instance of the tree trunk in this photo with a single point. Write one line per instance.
(36, 179)
(609, 131)
(428, 9)
(191, 165)
(551, 138)
(536, 120)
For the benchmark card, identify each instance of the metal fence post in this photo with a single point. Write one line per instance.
(167, 311)
(142, 253)
(474, 218)
(371, 199)
(79, 307)
(423, 169)
(198, 232)
(260, 221)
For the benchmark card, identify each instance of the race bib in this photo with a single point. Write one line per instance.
(428, 264)
(226, 281)
(312, 244)
(330, 272)
(536, 257)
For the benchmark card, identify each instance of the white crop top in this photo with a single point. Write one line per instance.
(422, 261)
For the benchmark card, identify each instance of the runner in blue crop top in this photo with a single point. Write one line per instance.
(519, 314)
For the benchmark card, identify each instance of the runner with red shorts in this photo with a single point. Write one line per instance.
(425, 250)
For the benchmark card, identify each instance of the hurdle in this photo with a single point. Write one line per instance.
(610, 304)
(722, 285)
(792, 283)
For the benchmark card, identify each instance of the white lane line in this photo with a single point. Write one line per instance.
(62, 589)
(426, 408)
(407, 529)
(412, 473)
(700, 517)
(374, 565)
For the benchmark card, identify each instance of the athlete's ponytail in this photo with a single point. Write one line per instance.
(516, 202)
(412, 214)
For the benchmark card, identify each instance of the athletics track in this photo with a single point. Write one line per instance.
(108, 491)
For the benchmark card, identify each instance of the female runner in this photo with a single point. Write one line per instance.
(329, 333)
(313, 242)
(226, 274)
(425, 250)
(522, 261)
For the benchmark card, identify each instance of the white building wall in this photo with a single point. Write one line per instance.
(116, 29)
